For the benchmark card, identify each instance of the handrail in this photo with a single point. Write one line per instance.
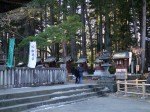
(135, 83)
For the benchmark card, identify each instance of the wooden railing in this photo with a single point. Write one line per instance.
(25, 77)
(137, 87)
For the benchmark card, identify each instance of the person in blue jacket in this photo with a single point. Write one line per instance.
(80, 69)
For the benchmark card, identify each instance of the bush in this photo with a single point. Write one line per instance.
(112, 69)
(90, 71)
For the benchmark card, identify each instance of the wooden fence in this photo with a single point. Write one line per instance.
(25, 77)
(138, 87)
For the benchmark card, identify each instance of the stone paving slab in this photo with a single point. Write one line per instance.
(111, 103)
(29, 89)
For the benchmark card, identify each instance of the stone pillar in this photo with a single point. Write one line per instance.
(132, 66)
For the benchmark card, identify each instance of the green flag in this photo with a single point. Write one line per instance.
(11, 52)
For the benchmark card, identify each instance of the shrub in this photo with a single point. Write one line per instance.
(112, 69)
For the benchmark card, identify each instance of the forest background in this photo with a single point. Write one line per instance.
(79, 28)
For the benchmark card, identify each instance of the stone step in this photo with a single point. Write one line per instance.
(17, 102)
(45, 107)
(21, 107)
(29, 99)
(39, 92)
(97, 88)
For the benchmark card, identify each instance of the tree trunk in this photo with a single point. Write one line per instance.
(73, 48)
(114, 27)
(107, 28)
(143, 36)
(64, 43)
(73, 39)
(83, 29)
(100, 29)
(41, 29)
(65, 9)
(134, 22)
(45, 15)
(54, 52)
(91, 40)
(26, 33)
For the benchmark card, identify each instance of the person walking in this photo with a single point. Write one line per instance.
(80, 69)
(76, 72)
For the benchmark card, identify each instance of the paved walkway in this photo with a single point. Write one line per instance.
(100, 104)
(112, 103)
(28, 89)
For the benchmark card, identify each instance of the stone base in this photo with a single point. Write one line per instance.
(99, 72)
(108, 81)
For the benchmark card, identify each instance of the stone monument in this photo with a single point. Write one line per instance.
(106, 79)
(102, 64)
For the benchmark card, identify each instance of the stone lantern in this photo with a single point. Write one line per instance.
(105, 78)
(66, 63)
(102, 64)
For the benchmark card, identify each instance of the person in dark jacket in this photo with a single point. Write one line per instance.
(75, 72)
(77, 75)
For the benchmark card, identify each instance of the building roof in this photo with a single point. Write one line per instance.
(81, 60)
(104, 56)
(106, 64)
(7, 5)
(38, 59)
(121, 55)
(98, 60)
(50, 59)
(62, 60)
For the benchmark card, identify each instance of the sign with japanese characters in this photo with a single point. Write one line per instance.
(32, 55)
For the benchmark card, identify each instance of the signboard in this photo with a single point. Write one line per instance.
(130, 57)
(32, 55)
(62, 65)
(149, 69)
(137, 68)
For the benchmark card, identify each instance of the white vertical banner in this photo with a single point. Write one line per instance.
(32, 55)
(130, 57)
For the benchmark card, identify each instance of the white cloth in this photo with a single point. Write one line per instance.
(32, 55)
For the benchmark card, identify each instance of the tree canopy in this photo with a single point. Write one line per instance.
(86, 27)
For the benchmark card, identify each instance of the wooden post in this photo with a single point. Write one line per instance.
(143, 89)
(136, 81)
(118, 86)
(125, 85)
